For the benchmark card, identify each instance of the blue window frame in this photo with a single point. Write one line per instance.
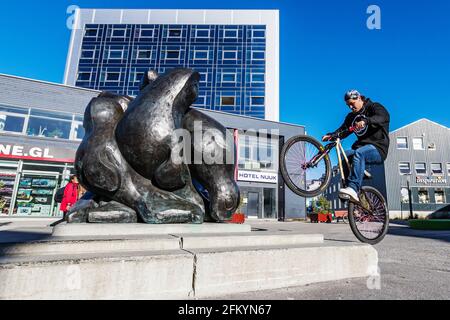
(229, 55)
(118, 33)
(147, 33)
(175, 33)
(259, 34)
(258, 78)
(144, 54)
(202, 33)
(113, 76)
(201, 54)
(87, 54)
(229, 77)
(257, 101)
(115, 54)
(230, 34)
(258, 55)
(84, 76)
(172, 54)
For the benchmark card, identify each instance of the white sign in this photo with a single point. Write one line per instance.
(428, 180)
(22, 152)
(263, 177)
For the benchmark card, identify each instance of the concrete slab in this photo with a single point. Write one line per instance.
(254, 239)
(223, 272)
(93, 229)
(123, 276)
(54, 247)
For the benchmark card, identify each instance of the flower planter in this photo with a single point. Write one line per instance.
(238, 218)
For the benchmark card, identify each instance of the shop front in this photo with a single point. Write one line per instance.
(30, 174)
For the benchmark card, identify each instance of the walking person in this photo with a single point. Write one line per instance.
(71, 195)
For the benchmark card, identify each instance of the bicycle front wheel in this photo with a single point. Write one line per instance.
(302, 179)
(369, 219)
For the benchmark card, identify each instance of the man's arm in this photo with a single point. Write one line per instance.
(380, 116)
(343, 131)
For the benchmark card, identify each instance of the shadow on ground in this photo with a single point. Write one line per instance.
(408, 232)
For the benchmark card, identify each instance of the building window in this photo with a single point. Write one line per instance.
(144, 54)
(91, 33)
(147, 33)
(439, 197)
(258, 55)
(421, 168)
(418, 144)
(203, 77)
(202, 33)
(201, 55)
(258, 77)
(404, 195)
(404, 167)
(175, 33)
(230, 34)
(43, 127)
(84, 76)
(118, 33)
(402, 143)
(229, 55)
(229, 77)
(87, 54)
(138, 76)
(424, 197)
(228, 101)
(115, 54)
(113, 76)
(257, 101)
(448, 169)
(10, 123)
(436, 169)
(172, 55)
(201, 101)
(259, 34)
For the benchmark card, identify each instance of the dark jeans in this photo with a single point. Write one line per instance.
(359, 158)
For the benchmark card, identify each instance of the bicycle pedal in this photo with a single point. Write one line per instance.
(344, 197)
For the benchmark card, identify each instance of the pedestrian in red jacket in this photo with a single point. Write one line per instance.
(70, 195)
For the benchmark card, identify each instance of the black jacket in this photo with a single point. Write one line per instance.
(376, 132)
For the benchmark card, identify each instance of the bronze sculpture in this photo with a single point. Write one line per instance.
(126, 159)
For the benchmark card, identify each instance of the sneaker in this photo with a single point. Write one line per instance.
(348, 194)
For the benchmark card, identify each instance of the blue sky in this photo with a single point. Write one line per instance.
(326, 49)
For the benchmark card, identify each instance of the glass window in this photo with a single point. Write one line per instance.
(41, 127)
(439, 197)
(203, 77)
(229, 77)
(418, 144)
(172, 54)
(228, 101)
(112, 76)
(402, 143)
(118, 33)
(84, 76)
(201, 55)
(229, 55)
(87, 54)
(421, 168)
(10, 123)
(259, 34)
(424, 196)
(79, 135)
(258, 77)
(404, 195)
(257, 101)
(91, 32)
(436, 169)
(115, 54)
(199, 33)
(270, 203)
(201, 101)
(231, 34)
(258, 55)
(448, 169)
(14, 109)
(404, 168)
(138, 76)
(51, 114)
(147, 33)
(175, 33)
(144, 54)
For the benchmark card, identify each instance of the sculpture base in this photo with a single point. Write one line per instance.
(139, 229)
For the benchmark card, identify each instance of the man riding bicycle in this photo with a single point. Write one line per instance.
(370, 121)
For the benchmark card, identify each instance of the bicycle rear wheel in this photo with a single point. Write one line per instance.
(303, 180)
(369, 219)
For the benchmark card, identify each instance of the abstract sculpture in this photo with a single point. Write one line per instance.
(126, 159)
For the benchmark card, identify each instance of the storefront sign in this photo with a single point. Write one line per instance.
(262, 177)
(428, 180)
(27, 152)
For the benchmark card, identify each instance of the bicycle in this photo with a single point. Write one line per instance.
(306, 168)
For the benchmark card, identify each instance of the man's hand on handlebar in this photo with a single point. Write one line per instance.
(327, 137)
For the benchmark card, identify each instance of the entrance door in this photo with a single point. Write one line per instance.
(35, 196)
(253, 209)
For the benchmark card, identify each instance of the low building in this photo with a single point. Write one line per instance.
(41, 127)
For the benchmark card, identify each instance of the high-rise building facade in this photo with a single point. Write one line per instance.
(235, 52)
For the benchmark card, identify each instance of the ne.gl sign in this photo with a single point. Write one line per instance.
(262, 177)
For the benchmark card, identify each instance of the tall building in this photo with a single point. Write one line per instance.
(235, 51)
